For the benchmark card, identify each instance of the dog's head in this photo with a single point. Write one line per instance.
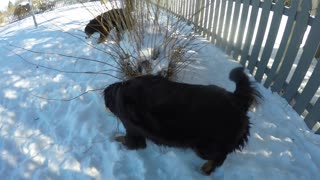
(89, 30)
(111, 95)
(92, 27)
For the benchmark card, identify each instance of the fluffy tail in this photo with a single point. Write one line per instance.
(245, 93)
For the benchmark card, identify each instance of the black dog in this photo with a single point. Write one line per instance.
(208, 119)
(120, 19)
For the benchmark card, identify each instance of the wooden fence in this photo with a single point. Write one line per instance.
(249, 31)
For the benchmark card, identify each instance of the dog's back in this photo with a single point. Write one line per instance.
(117, 18)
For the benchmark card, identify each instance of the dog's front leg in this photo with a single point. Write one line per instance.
(215, 158)
(132, 141)
(208, 167)
(120, 139)
(211, 165)
(101, 39)
(118, 35)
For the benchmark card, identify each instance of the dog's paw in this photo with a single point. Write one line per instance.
(208, 167)
(120, 139)
(101, 40)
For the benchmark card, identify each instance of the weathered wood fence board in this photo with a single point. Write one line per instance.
(310, 49)
(215, 21)
(309, 90)
(241, 29)
(283, 45)
(296, 39)
(275, 23)
(249, 35)
(202, 9)
(221, 22)
(233, 26)
(197, 12)
(266, 6)
(228, 23)
(209, 28)
(313, 115)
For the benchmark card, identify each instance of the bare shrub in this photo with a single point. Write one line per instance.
(157, 42)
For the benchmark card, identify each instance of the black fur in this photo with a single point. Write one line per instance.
(120, 19)
(208, 119)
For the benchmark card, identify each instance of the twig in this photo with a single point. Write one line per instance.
(57, 99)
(63, 71)
(63, 55)
(70, 99)
(81, 39)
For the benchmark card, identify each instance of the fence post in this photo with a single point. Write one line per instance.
(295, 39)
(32, 13)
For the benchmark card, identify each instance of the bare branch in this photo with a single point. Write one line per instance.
(81, 39)
(69, 99)
(62, 71)
(63, 55)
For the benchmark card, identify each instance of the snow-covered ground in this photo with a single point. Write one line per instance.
(48, 139)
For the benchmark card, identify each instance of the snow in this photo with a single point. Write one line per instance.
(50, 139)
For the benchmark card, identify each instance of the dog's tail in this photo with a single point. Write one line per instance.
(245, 92)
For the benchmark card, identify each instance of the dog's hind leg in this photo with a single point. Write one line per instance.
(132, 141)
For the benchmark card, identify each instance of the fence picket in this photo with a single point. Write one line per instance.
(210, 29)
(176, 4)
(243, 20)
(189, 17)
(184, 8)
(309, 90)
(221, 22)
(266, 54)
(283, 44)
(206, 18)
(170, 6)
(180, 7)
(260, 35)
(201, 15)
(298, 32)
(191, 9)
(313, 116)
(234, 25)
(215, 24)
(228, 24)
(188, 12)
(310, 49)
(197, 14)
(252, 24)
